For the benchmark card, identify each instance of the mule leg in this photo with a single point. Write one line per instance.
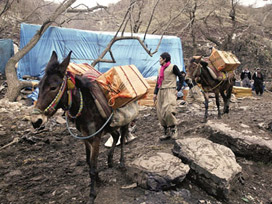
(229, 91)
(218, 105)
(88, 160)
(92, 148)
(124, 134)
(88, 153)
(115, 135)
(206, 96)
(224, 99)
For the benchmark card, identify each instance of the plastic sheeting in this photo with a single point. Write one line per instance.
(6, 52)
(88, 45)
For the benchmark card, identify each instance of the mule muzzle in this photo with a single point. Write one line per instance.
(38, 119)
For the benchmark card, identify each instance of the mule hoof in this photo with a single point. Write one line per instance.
(110, 165)
(226, 110)
(92, 197)
(91, 200)
(122, 167)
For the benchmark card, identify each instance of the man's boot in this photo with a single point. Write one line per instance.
(174, 132)
(166, 134)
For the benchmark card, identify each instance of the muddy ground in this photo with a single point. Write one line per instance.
(49, 166)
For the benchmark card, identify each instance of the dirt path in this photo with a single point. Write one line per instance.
(49, 167)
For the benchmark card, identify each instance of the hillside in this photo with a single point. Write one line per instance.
(245, 31)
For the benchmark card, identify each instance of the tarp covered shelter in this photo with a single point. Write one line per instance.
(6, 52)
(88, 45)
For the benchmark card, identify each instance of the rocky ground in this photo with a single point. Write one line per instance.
(49, 166)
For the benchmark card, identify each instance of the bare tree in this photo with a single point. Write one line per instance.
(120, 36)
(192, 17)
(15, 85)
(6, 6)
(226, 28)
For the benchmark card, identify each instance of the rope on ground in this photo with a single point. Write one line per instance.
(15, 140)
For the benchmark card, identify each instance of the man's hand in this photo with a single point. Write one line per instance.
(155, 98)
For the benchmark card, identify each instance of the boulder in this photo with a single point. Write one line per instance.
(212, 166)
(159, 171)
(243, 141)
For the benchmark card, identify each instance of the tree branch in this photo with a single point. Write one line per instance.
(6, 7)
(152, 14)
(87, 10)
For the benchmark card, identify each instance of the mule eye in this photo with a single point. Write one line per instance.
(53, 88)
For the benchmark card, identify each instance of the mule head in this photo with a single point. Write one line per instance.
(194, 68)
(50, 87)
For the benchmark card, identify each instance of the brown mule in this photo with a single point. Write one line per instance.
(198, 72)
(53, 94)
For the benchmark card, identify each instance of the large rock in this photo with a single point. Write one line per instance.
(157, 172)
(243, 142)
(213, 166)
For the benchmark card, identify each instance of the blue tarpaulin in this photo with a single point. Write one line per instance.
(6, 52)
(88, 45)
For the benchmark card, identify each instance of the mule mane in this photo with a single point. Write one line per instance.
(205, 66)
(83, 82)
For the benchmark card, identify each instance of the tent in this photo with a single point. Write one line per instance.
(88, 45)
(6, 52)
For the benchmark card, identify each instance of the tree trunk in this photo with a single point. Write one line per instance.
(14, 84)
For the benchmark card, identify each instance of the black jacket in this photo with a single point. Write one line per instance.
(245, 74)
(257, 79)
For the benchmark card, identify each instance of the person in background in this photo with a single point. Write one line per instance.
(165, 96)
(246, 77)
(180, 94)
(258, 81)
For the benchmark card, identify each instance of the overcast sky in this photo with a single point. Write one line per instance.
(256, 3)
(91, 3)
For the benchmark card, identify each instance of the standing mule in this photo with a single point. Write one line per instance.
(198, 72)
(54, 89)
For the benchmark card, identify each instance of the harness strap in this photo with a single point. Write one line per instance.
(36, 111)
(52, 106)
(213, 87)
(69, 92)
(195, 71)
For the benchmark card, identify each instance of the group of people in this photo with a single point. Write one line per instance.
(257, 78)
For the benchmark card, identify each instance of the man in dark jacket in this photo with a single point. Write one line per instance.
(246, 77)
(258, 81)
(165, 95)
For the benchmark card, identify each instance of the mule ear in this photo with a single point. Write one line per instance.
(197, 58)
(54, 57)
(65, 63)
(203, 63)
